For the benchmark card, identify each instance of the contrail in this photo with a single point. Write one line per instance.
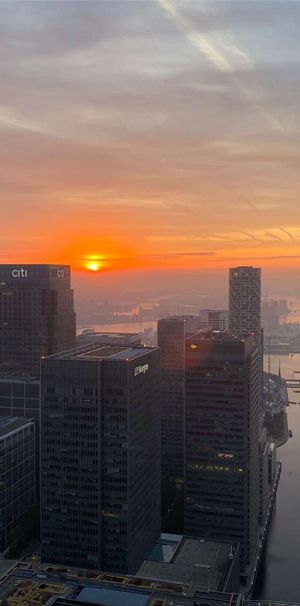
(268, 233)
(198, 40)
(285, 231)
(251, 236)
(209, 253)
(218, 58)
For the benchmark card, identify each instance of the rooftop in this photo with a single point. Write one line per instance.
(23, 585)
(218, 335)
(34, 593)
(107, 596)
(87, 332)
(196, 562)
(177, 318)
(94, 351)
(9, 424)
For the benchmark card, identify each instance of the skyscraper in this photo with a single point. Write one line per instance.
(172, 333)
(20, 397)
(17, 473)
(222, 418)
(36, 315)
(245, 301)
(100, 459)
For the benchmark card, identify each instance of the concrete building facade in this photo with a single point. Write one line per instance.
(245, 301)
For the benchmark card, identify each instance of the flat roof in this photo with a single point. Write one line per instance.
(195, 562)
(177, 318)
(94, 351)
(93, 333)
(9, 424)
(112, 597)
(207, 334)
(26, 380)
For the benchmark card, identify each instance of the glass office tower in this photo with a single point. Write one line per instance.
(37, 315)
(17, 473)
(172, 333)
(222, 420)
(100, 456)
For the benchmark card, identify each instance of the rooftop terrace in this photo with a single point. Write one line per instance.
(188, 560)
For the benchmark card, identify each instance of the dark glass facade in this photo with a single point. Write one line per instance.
(172, 334)
(36, 315)
(222, 406)
(21, 398)
(17, 473)
(100, 457)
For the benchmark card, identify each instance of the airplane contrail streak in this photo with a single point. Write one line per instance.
(210, 50)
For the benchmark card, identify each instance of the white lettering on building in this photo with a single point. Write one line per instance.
(60, 273)
(141, 369)
(19, 273)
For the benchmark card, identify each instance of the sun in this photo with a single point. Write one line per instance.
(94, 265)
(94, 262)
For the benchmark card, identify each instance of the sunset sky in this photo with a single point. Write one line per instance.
(150, 133)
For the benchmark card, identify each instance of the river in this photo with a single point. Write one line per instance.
(279, 577)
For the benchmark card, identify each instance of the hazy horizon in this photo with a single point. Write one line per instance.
(150, 135)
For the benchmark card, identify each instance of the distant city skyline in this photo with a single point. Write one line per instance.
(154, 134)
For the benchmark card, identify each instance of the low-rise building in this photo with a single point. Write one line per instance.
(194, 562)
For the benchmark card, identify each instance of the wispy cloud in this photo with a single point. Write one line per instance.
(12, 119)
(226, 56)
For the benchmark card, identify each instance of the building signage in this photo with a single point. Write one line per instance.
(141, 369)
(19, 273)
(60, 273)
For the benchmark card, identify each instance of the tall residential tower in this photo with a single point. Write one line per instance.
(245, 301)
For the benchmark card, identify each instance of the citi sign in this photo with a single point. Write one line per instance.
(141, 369)
(19, 273)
